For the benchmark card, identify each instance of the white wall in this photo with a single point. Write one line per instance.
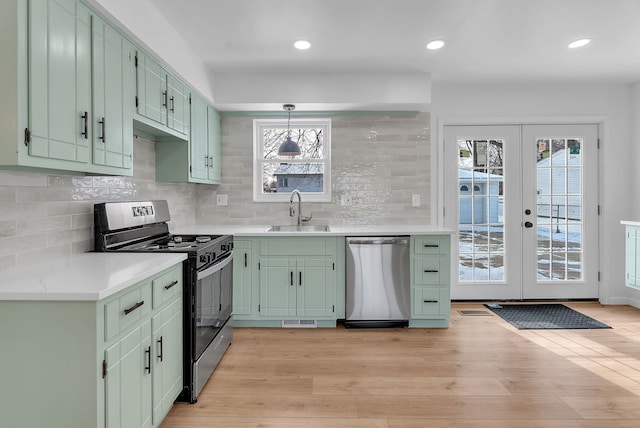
(633, 158)
(379, 159)
(548, 103)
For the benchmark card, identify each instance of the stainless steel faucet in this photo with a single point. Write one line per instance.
(292, 211)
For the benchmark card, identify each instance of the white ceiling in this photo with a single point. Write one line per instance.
(487, 40)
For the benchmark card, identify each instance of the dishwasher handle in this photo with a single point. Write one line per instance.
(379, 241)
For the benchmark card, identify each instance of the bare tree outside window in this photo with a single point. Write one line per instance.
(283, 174)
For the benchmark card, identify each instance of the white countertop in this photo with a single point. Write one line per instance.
(340, 230)
(84, 277)
(630, 223)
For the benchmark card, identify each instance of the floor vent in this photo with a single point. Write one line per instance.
(474, 313)
(299, 324)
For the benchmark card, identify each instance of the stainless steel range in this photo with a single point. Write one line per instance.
(208, 279)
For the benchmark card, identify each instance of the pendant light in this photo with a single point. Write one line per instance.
(289, 147)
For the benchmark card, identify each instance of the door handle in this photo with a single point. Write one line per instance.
(528, 224)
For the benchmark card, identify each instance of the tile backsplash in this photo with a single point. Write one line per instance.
(380, 160)
(47, 217)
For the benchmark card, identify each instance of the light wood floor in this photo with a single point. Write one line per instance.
(480, 372)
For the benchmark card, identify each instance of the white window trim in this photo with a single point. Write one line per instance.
(258, 126)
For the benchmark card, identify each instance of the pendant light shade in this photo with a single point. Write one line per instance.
(288, 146)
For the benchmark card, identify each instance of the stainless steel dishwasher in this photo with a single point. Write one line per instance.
(377, 282)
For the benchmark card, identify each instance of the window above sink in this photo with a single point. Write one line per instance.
(276, 176)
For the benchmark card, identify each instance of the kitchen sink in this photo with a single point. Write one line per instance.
(303, 228)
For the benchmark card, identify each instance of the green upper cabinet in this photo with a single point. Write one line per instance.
(113, 97)
(59, 46)
(177, 105)
(161, 98)
(151, 80)
(199, 140)
(215, 146)
(198, 161)
(58, 68)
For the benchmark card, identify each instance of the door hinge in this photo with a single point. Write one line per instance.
(258, 265)
(189, 99)
(333, 308)
(136, 101)
(27, 136)
(598, 276)
(333, 266)
(190, 169)
(104, 369)
(258, 308)
(598, 209)
(136, 60)
(598, 142)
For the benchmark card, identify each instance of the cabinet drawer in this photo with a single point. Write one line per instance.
(430, 271)
(436, 245)
(429, 301)
(167, 287)
(126, 310)
(292, 246)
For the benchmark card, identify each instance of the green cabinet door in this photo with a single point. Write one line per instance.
(151, 85)
(242, 277)
(59, 81)
(278, 283)
(167, 358)
(297, 287)
(177, 105)
(198, 139)
(128, 380)
(113, 95)
(316, 287)
(215, 146)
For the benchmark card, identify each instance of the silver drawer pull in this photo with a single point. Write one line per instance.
(166, 287)
(133, 308)
(430, 301)
(431, 271)
(431, 245)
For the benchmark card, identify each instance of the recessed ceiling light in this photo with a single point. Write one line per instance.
(579, 43)
(302, 45)
(435, 44)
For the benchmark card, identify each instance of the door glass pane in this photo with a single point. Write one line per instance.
(480, 209)
(559, 209)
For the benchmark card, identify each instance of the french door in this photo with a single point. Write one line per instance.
(524, 201)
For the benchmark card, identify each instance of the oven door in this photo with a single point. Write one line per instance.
(213, 307)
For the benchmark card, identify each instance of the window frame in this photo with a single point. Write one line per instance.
(258, 159)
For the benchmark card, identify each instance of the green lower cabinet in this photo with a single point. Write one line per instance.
(286, 279)
(242, 277)
(128, 381)
(430, 281)
(167, 359)
(297, 287)
(114, 363)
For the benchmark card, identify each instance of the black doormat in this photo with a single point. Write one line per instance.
(544, 317)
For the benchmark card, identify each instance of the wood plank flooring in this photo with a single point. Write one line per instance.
(480, 372)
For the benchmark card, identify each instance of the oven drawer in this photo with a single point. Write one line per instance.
(129, 308)
(167, 287)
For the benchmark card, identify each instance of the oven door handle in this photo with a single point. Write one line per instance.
(216, 267)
